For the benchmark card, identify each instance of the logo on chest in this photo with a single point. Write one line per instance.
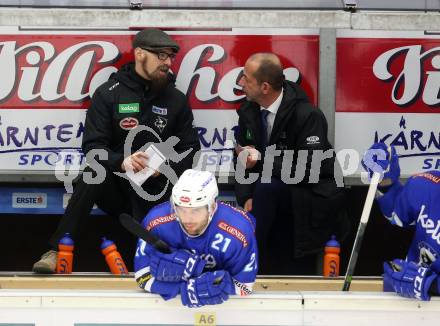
(160, 123)
(248, 134)
(128, 108)
(210, 261)
(128, 123)
(158, 110)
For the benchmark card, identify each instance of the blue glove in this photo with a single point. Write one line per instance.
(175, 267)
(408, 279)
(382, 159)
(208, 289)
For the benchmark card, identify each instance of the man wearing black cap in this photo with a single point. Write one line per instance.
(141, 93)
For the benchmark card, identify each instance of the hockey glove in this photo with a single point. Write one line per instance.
(382, 159)
(408, 279)
(175, 267)
(208, 289)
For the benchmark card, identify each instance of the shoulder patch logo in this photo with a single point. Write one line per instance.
(233, 231)
(128, 123)
(129, 108)
(241, 212)
(158, 110)
(429, 176)
(312, 140)
(160, 220)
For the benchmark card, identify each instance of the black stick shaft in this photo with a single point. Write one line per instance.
(354, 256)
(136, 228)
(361, 230)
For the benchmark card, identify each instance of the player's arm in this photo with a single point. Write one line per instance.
(398, 203)
(145, 278)
(241, 257)
(243, 267)
(143, 263)
(395, 201)
(237, 277)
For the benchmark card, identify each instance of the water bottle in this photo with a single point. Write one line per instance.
(113, 257)
(65, 255)
(331, 258)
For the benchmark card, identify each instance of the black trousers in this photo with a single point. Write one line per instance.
(273, 211)
(114, 196)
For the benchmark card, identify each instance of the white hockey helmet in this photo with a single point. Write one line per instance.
(196, 189)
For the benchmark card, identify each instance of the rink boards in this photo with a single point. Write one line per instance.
(103, 301)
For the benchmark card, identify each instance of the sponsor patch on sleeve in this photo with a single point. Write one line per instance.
(242, 213)
(142, 280)
(233, 231)
(160, 220)
(242, 289)
(429, 176)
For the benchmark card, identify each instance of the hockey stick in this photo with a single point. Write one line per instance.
(361, 230)
(134, 227)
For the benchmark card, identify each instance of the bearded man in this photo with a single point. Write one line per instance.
(141, 94)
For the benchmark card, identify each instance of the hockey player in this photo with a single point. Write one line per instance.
(214, 250)
(415, 205)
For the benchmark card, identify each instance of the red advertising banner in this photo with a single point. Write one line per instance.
(49, 77)
(388, 90)
(388, 75)
(58, 71)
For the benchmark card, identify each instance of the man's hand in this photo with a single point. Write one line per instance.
(248, 205)
(247, 155)
(208, 289)
(408, 279)
(384, 160)
(136, 162)
(175, 267)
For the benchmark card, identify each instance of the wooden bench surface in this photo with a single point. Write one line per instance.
(103, 281)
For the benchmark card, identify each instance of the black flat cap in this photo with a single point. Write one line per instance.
(155, 39)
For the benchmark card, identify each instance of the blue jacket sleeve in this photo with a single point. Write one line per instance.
(399, 204)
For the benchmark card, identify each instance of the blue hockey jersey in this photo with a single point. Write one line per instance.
(227, 244)
(417, 205)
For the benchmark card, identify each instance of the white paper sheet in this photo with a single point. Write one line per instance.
(155, 160)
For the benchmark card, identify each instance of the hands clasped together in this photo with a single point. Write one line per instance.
(196, 288)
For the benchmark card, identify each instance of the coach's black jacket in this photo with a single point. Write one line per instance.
(127, 100)
(298, 126)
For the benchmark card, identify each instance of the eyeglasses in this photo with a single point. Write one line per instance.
(161, 55)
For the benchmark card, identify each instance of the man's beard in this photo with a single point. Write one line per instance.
(158, 80)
